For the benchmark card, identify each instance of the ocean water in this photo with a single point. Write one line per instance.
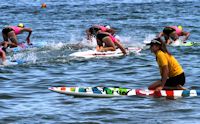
(24, 94)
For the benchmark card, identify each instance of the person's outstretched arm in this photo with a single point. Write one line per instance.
(186, 34)
(29, 30)
(121, 47)
(160, 35)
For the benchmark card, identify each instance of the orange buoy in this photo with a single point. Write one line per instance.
(43, 5)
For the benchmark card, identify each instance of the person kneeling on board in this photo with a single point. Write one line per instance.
(172, 74)
(106, 42)
(11, 32)
(174, 32)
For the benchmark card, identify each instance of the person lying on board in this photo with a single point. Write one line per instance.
(172, 74)
(105, 41)
(10, 33)
(3, 57)
(174, 32)
(100, 27)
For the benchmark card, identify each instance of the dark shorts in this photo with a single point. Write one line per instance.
(177, 80)
(7, 30)
(168, 30)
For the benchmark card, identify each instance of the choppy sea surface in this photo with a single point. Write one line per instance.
(24, 94)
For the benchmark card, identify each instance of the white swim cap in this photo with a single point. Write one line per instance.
(107, 26)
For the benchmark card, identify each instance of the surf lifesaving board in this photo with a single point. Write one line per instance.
(25, 46)
(94, 53)
(106, 92)
(188, 43)
(181, 43)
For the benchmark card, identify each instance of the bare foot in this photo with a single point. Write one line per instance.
(179, 87)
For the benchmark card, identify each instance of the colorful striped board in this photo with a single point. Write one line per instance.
(106, 92)
(94, 53)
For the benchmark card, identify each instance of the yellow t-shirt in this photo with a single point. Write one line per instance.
(169, 60)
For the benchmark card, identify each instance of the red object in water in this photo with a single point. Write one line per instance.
(43, 5)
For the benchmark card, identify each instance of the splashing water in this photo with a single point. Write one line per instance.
(25, 57)
(148, 38)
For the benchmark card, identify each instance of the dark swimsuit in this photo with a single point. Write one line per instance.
(168, 30)
(93, 30)
(100, 37)
(177, 80)
(6, 30)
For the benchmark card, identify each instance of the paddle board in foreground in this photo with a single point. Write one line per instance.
(94, 53)
(106, 92)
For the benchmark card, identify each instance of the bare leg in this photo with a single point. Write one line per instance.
(169, 88)
(5, 44)
(5, 38)
(180, 87)
(154, 85)
(13, 38)
(3, 56)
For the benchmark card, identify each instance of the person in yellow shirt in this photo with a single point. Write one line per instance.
(172, 74)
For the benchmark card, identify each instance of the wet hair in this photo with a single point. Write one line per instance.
(168, 30)
(93, 30)
(162, 45)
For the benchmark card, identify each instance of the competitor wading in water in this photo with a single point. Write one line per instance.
(172, 74)
(11, 32)
(106, 42)
(3, 57)
(174, 32)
